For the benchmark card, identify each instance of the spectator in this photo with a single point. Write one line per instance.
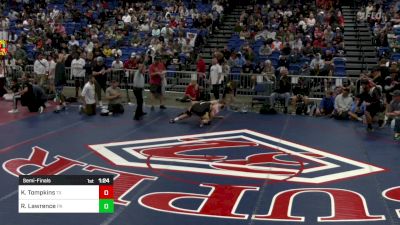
(52, 67)
(41, 69)
(73, 42)
(327, 105)
(317, 65)
(88, 98)
(192, 92)
(361, 16)
(392, 83)
(132, 62)
(216, 77)
(114, 97)
(265, 50)
(3, 71)
(343, 104)
(300, 99)
(187, 49)
(201, 70)
(117, 67)
(157, 75)
(357, 112)
(268, 72)
(78, 71)
(283, 90)
(372, 96)
(60, 79)
(394, 113)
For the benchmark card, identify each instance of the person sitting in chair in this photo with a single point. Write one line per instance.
(114, 97)
(327, 105)
(283, 91)
(192, 92)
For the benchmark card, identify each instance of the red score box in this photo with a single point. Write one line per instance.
(106, 192)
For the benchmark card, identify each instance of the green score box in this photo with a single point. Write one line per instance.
(106, 206)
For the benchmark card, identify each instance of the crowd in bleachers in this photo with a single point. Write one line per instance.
(270, 42)
(293, 36)
(172, 29)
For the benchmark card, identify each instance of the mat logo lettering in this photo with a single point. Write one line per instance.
(237, 153)
(345, 205)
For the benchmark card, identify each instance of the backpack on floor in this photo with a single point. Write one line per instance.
(266, 109)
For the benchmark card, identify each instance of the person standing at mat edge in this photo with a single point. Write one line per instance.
(60, 80)
(100, 73)
(216, 77)
(138, 85)
(157, 73)
(394, 113)
(88, 98)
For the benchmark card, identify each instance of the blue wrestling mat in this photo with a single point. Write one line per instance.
(243, 169)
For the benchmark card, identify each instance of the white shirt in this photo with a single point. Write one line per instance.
(155, 32)
(88, 93)
(89, 47)
(166, 30)
(77, 69)
(127, 18)
(117, 65)
(343, 103)
(72, 43)
(310, 22)
(216, 74)
(52, 69)
(145, 27)
(41, 67)
(361, 15)
(368, 10)
(315, 62)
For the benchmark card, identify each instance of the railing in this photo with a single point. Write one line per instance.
(242, 84)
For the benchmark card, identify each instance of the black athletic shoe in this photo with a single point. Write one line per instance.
(163, 107)
(172, 121)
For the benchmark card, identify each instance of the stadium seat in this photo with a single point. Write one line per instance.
(395, 56)
(109, 62)
(383, 50)
(340, 71)
(339, 62)
(261, 94)
(171, 71)
(235, 73)
(294, 69)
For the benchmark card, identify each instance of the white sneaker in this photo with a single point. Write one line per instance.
(13, 111)
(41, 109)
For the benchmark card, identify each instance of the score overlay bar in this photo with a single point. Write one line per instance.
(66, 194)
